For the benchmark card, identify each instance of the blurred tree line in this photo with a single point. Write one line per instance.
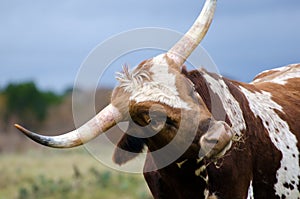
(26, 102)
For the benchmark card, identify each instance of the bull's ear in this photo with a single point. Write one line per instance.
(216, 141)
(128, 148)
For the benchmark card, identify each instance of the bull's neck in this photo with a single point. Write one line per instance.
(221, 96)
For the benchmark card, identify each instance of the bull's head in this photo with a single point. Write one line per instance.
(159, 99)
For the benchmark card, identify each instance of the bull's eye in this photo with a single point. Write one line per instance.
(158, 117)
(157, 125)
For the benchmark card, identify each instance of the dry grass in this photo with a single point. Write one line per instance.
(66, 174)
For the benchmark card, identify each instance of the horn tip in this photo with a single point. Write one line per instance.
(21, 128)
(24, 131)
(35, 137)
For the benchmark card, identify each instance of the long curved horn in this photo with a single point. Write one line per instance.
(103, 121)
(185, 46)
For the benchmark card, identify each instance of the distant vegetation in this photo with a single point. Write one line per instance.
(27, 102)
(40, 110)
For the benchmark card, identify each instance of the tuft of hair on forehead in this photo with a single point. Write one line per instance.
(129, 80)
(151, 81)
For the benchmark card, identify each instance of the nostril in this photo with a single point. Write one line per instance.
(211, 141)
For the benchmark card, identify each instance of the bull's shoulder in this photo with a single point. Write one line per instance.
(279, 75)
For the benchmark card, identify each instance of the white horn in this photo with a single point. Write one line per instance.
(186, 45)
(103, 121)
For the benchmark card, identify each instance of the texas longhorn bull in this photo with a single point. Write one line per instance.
(252, 152)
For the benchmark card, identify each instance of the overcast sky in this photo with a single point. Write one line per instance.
(47, 41)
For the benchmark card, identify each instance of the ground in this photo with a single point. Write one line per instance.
(47, 174)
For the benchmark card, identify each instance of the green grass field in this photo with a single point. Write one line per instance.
(74, 174)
